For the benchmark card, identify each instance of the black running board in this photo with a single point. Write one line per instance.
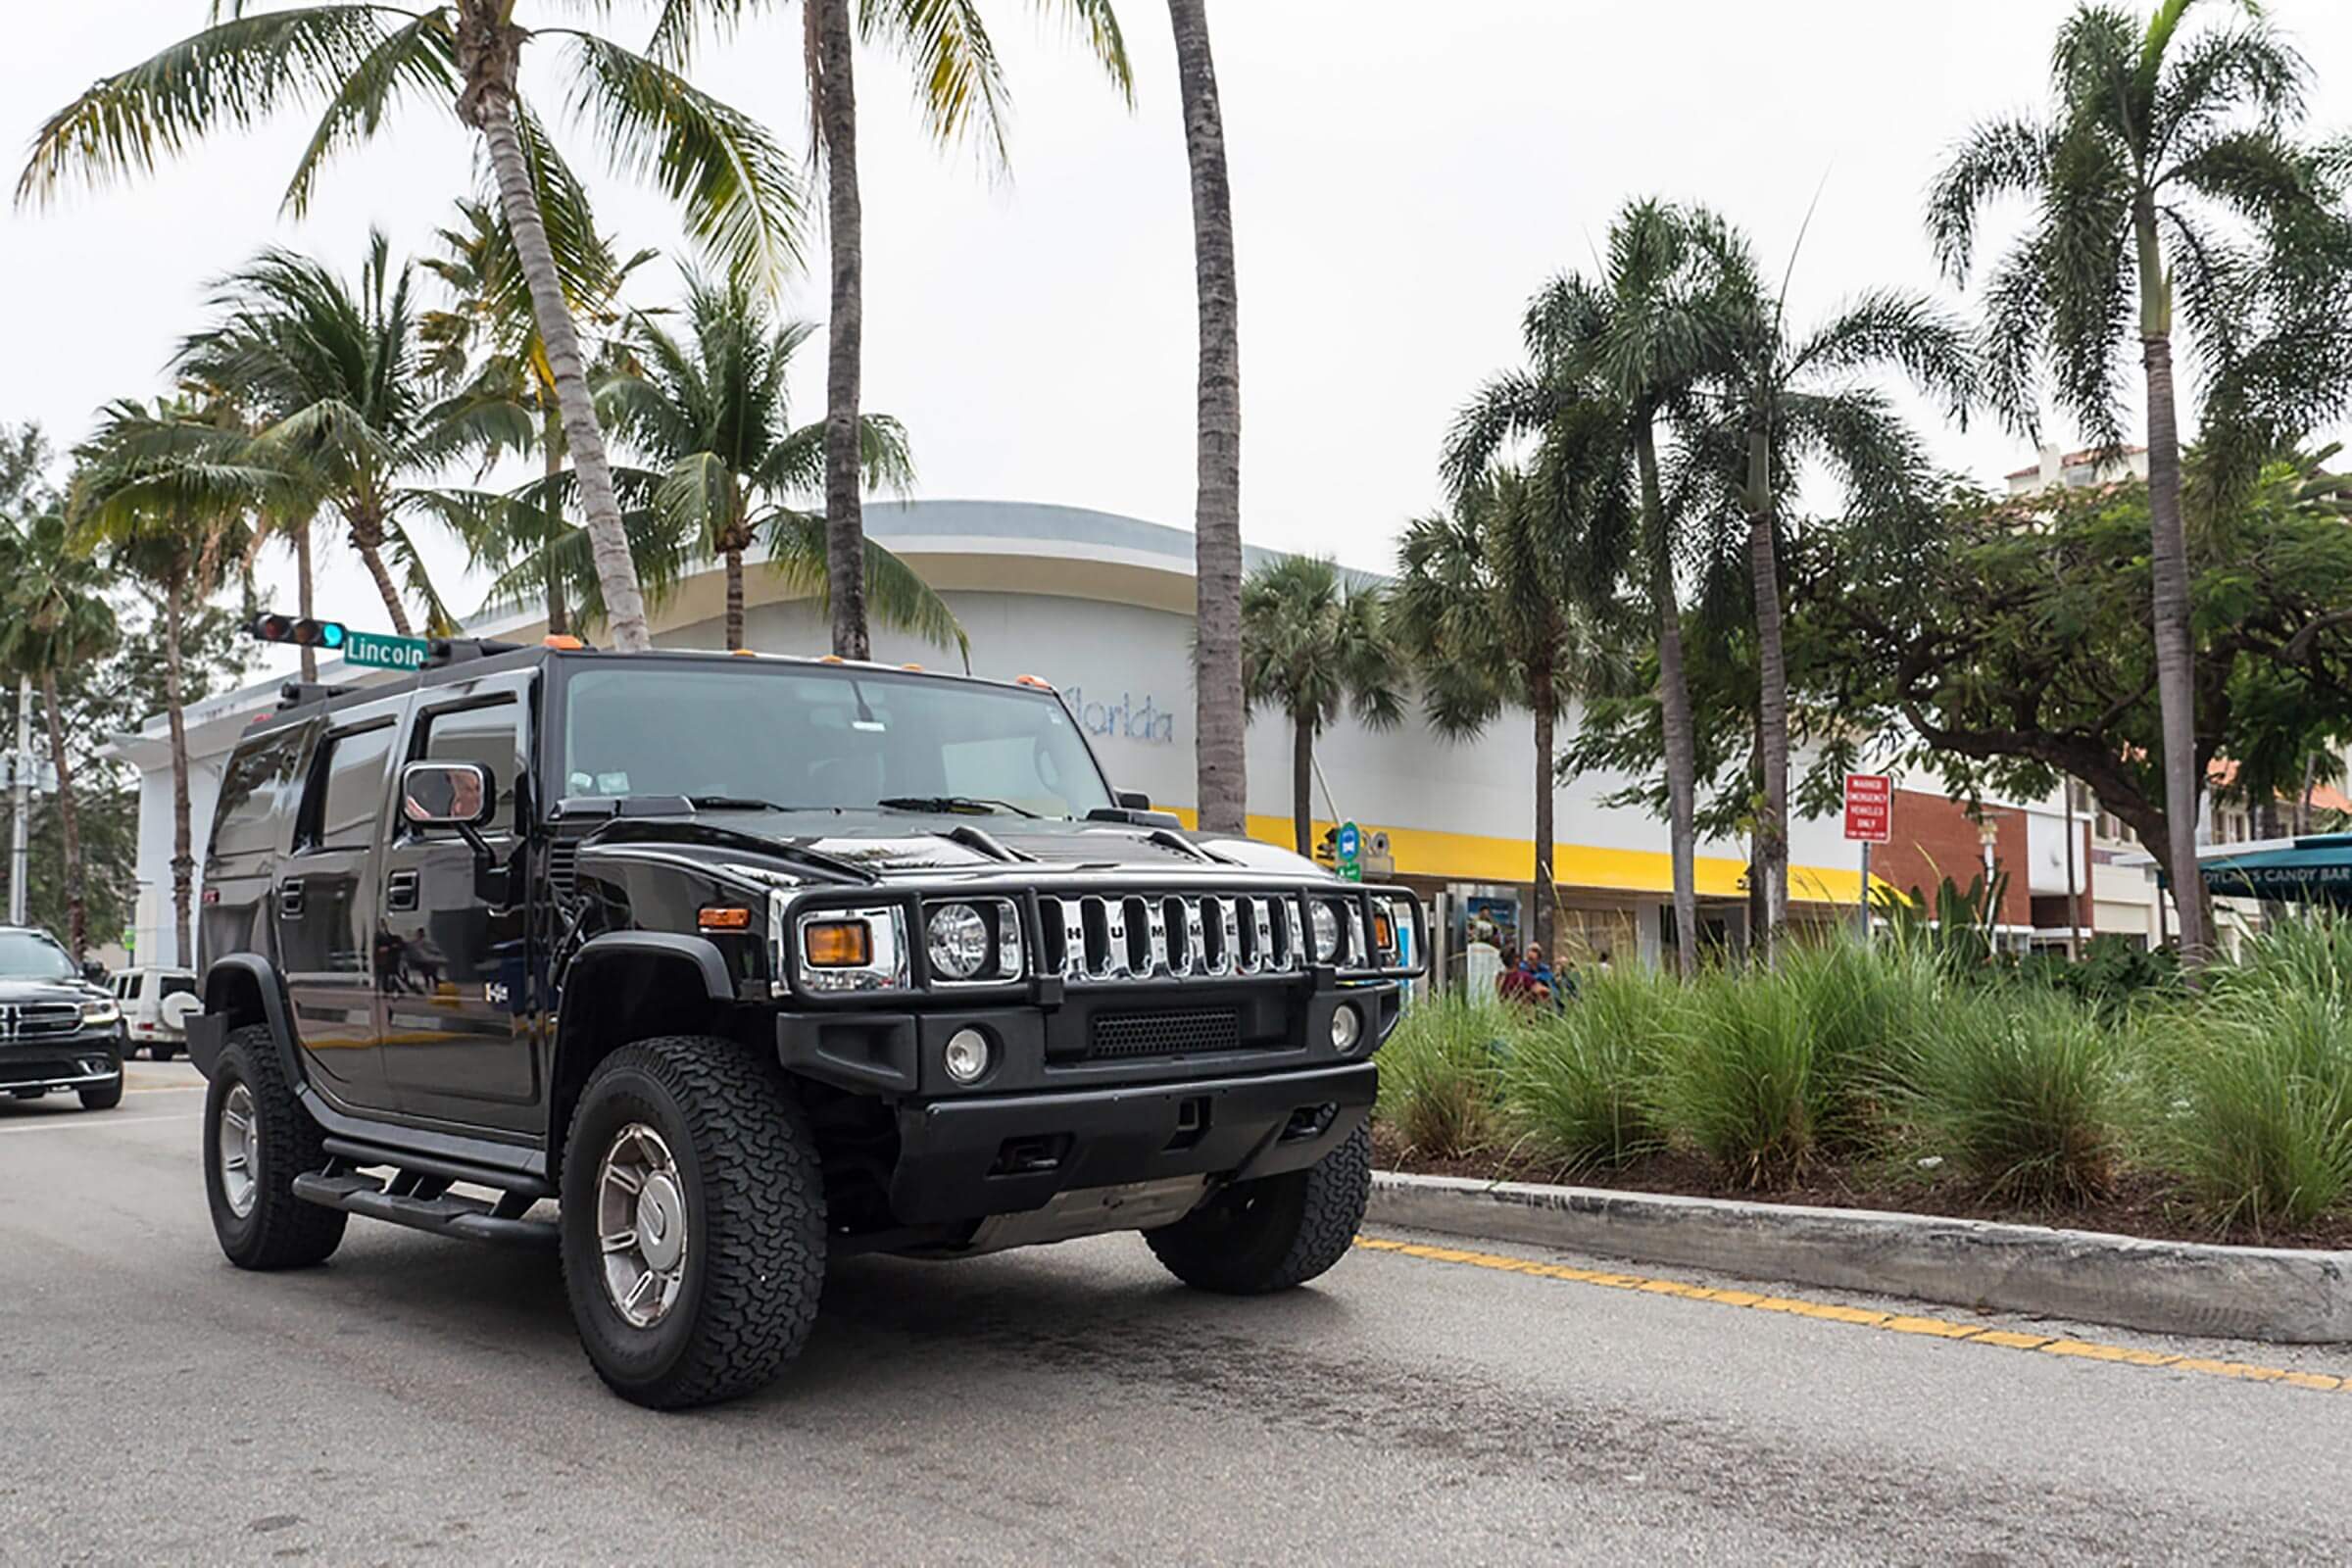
(447, 1215)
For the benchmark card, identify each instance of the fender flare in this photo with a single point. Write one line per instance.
(208, 1032)
(700, 951)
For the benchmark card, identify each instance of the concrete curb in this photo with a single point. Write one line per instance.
(2248, 1292)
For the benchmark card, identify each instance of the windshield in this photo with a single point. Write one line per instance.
(793, 736)
(30, 955)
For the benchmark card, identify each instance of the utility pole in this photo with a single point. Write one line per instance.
(2073, 902)
(19, 834)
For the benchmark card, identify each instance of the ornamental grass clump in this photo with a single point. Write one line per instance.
(2020, 1089)
(1866, 1007)
(1736, 1079)
(2251, 1088)
(1580, 1080)
(1439, 1077)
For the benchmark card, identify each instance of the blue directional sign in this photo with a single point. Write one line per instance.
(1348, 847)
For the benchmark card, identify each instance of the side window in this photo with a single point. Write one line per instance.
(249, 818)
(346, 791)
(490, 734)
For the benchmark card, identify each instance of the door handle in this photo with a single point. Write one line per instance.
(400, 890)
(289, 896)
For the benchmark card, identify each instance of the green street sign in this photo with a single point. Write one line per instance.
(385, 652)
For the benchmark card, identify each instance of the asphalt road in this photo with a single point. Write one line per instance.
(422, 1401)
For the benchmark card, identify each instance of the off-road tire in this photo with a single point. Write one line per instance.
(755, 1212)
(1270, 1234)
(106, 1097)
(281, 1230)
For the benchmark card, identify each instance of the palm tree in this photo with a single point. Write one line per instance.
(487, 346)
(959, 91)
(1641, 338)
(333, 375)
(153, 489)
(2160, 140)
(1775, 401)
(1218, 655)
(1311, 643)
(708, 411)
(53, 616)
(1492, 598)
(738, 188)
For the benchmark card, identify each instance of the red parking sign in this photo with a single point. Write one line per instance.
(1869, 807)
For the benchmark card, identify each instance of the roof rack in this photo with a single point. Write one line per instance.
(295, 692)
(442, 651)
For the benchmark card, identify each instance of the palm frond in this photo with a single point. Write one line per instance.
(895, 594)
(958, 82)
(418, 59)
(1995, 159)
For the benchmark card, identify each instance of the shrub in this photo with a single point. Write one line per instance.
(2251, 1099)
(1865, 1008)
(1439, 1076)
(2020, 1089)
(1580, 1080)
(1737, 1080)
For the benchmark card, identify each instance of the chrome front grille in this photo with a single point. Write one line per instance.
(1095, 937)
(38, 1020)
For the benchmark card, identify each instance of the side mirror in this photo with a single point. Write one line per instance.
(94, 972)
(455, 795)
(1134, 800)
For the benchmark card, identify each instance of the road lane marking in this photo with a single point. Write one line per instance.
(1864, 1317)
(88, 1120)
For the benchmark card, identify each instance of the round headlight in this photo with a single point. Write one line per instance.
(959, 941)
(1346, 1027)
(1327, 931)
(966, 1055)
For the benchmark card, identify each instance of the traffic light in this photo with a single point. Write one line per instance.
(1327, 848)
(275, 628)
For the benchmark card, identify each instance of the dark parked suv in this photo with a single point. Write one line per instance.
(59, 1030)
(748, 961)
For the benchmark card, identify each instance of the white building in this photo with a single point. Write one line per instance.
(1101, 605)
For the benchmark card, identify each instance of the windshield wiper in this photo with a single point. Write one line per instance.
(970, 804)
(740, 803)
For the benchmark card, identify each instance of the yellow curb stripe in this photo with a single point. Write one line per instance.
(1862, 1317)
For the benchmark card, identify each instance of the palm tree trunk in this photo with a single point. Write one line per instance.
(1303, 775)
(304, 597)
(734, 555)
(1772, 828)
(1674, 708)
(1223, 781)
(1545, 703)
(374, 556)
(2168, 558)
(836, 109)
(551, 443)
(184, 860)
(488, 47)
(77, 922)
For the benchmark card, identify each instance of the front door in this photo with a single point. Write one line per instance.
(453, 950)
(324, 895)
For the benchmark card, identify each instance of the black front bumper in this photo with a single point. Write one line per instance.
(89, 1060)
(1001, 1155)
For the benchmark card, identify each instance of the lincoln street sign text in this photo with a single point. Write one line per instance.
(385, 652)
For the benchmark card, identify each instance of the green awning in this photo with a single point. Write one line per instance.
(2307, 870)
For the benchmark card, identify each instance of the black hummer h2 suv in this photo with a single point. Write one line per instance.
(747, 962)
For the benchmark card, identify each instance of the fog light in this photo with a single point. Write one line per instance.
(967, 1056)
(1346, 1024)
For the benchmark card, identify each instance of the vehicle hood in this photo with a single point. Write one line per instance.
(852, 848)
(18, 990)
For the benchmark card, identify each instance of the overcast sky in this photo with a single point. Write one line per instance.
(1404, 177)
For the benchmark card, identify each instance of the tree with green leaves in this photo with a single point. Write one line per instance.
(1313, 643)
(960, 92)
(1492, 600)
(485, 344)
(707, 409)
(1774, 400)
(153, 491)
(54, 618)
(2168, 194)
(736, 186)
(331, 375)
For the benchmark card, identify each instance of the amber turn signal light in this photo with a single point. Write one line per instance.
(1383, 930)
(720, 918)
(837, 944)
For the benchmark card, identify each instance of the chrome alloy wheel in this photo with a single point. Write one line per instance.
(240, 1149)
(641, 1225)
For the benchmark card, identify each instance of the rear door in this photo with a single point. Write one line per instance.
(326, 906)
(453, 949)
